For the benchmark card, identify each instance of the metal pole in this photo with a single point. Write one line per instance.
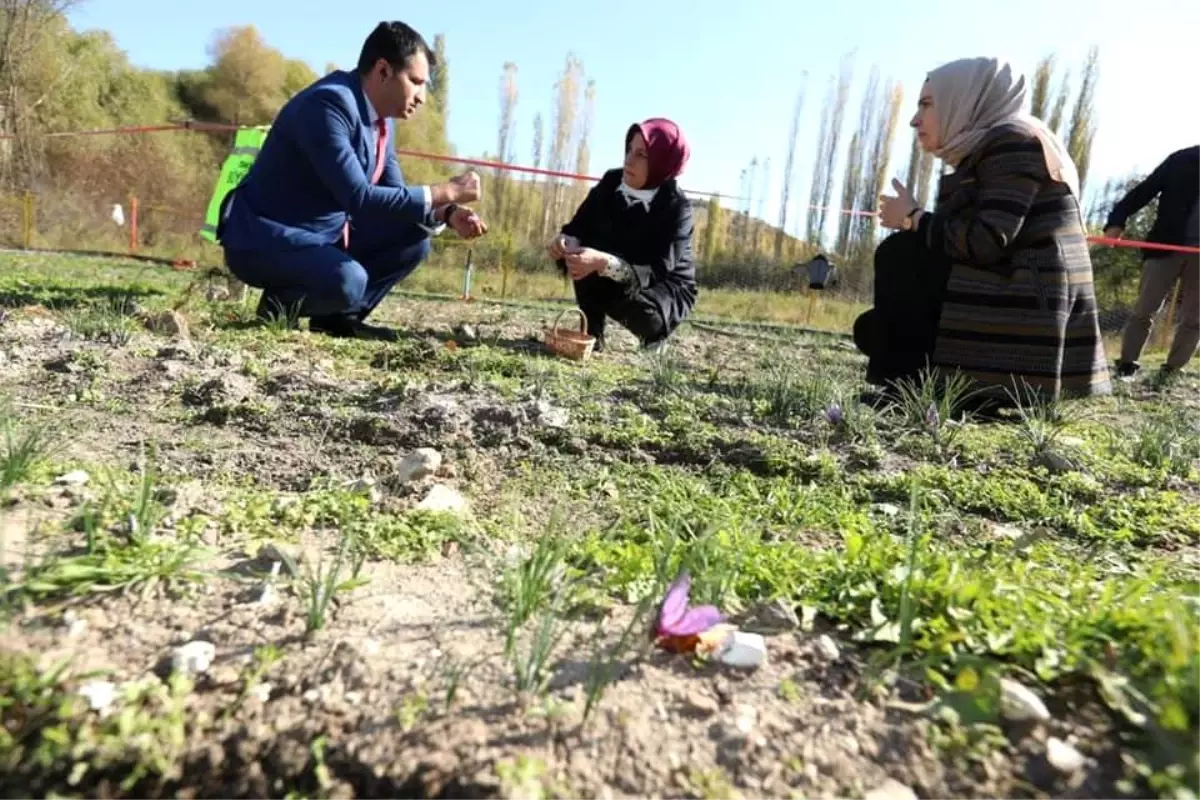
(1165, 331)
(466, 292)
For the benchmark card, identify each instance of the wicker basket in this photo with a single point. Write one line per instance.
(575, 345)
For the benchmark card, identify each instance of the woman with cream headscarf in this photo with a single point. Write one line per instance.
(629, 246)
(996, 281)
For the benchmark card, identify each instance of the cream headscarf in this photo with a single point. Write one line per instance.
(972, 96)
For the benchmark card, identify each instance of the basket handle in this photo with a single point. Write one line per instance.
(582, 320)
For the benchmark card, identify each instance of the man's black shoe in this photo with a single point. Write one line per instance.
(345, 327)
(1127, 369)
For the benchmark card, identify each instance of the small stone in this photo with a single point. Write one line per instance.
(76, 478)
(216, 294)
(261, 692)
(1008, 532)
(178, 351)
(776, 616)
(289, 557)
(100, 695)
(1055, 462)
(1062, 756)
(747, 716)
(891, 789)
(702, 704)
(827, 648)
(550, 415)
(443, 498)
(75, 625)
(1018, 703)
(170, 323)
(887, 509)
(194, 658)
(419, 464)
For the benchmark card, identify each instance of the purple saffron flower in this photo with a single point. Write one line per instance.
(932, 418)
(833, 415)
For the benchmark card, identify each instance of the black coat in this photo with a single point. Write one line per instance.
(658, 244)
(1176, 184)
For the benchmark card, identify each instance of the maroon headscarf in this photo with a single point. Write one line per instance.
(666, 148)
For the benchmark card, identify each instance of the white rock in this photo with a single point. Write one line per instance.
(887, 509)
(100, 695)
(419, 464)
(261, 692)
(194, 658)
(75, 624)
(1008, 531)
(443, 498)
(827, 648)
(76, 478)
(891, 790)
(745, 650)
(746, 717)
(1062, 756)
(551, 416)
(1018, 703)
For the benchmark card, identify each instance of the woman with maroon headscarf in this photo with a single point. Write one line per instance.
(629, 246)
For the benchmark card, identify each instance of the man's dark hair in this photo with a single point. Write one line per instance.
(395, 43)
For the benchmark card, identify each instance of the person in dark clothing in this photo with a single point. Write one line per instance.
(899, 332)
(628, 248)
(1176, 184)
(995, 283)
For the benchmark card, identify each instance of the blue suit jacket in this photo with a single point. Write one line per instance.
(314, 170)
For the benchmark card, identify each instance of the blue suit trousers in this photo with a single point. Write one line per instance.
(328, 280)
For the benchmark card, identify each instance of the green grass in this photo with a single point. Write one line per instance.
(751, 464)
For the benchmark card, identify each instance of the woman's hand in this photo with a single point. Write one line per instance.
(894, 210)
(560, 245)
(584, 261)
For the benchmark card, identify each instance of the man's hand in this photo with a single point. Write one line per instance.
(1114, 232)
(466, 223)
(584, 261)
(466, 187)
(560, 245)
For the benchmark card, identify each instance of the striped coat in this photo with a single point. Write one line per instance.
(1020, 302)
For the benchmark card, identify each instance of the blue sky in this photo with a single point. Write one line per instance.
(729, 78)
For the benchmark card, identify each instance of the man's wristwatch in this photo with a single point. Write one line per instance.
(449, 212)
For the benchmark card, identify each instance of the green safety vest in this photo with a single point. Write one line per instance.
(246, 145)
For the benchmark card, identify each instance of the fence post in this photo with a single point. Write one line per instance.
(27, 220)
(133, 223)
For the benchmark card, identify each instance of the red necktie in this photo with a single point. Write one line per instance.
(380, 154)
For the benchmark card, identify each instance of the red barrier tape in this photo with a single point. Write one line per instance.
(216, 127)
(1174, 248)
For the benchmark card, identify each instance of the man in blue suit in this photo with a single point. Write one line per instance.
(323, 222)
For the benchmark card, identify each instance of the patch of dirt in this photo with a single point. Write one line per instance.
(371, 688)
